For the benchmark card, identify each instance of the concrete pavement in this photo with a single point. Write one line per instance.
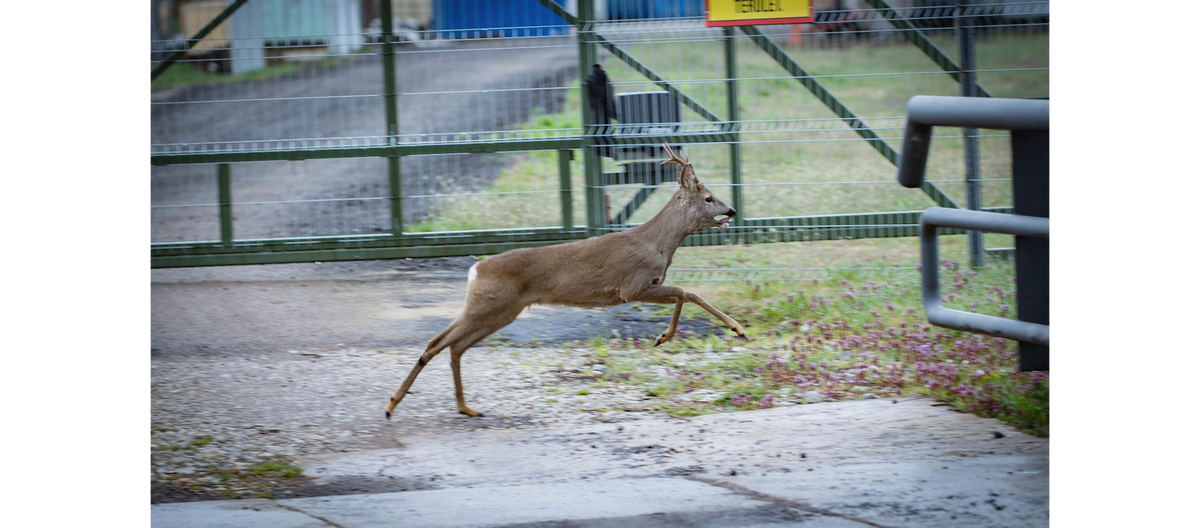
(912, 463)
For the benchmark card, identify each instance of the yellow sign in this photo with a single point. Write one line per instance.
(758, 12)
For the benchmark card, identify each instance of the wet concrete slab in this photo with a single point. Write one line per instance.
(816, 437)
(515, 505)
(993, 491)
(908, 462)
(252, 513)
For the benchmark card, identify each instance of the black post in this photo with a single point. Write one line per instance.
(1031, 197)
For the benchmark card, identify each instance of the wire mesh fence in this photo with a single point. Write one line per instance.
(344, 124)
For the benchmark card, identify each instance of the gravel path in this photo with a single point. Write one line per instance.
(252, 363)
(259, 371)
(226, 412)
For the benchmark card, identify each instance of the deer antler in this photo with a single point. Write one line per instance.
(686, 167)
(683, 162)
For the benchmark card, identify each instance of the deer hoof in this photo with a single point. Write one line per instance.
(659, 340)
(389, 415)
(743, 336)
(471, 412)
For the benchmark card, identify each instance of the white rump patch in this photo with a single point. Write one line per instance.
(471, 274)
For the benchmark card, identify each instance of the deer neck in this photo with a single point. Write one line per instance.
(668, 228)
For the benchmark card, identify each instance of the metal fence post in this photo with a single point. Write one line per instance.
(735, 148)
(593, 190)
(564, 186)
(966, 57)
(225, 198)
(395, 183)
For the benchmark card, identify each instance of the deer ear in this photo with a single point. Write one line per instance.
(687, 177)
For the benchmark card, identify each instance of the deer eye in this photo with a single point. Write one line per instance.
(708, 199)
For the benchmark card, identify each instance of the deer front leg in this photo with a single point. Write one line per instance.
(660, 294)
(666, 336)
(733, 325)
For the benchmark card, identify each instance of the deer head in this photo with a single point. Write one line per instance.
(700, 205)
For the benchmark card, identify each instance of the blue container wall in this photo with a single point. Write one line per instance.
(493, 18)
(290, 21)
(633, 9)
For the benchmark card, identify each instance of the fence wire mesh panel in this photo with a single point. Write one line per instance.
(302, 130)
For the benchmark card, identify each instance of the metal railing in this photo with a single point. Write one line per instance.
(1029, 121)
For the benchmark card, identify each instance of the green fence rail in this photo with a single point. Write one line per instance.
(399, 241)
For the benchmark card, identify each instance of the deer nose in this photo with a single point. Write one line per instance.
(731, 212)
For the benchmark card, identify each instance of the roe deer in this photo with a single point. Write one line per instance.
(602, 271)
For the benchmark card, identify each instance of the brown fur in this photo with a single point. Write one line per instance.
(602, 271)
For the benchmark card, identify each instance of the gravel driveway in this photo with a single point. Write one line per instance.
(292, 364)
(257, 362)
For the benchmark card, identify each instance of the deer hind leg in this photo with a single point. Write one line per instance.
(458, 391)
(435, 346)
(465, 331)
(487, 325)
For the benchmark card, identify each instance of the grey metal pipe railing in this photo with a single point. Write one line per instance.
(936, 217)
(1029, 119)
(928, 111)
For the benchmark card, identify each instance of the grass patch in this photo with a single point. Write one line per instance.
(273, 469)
(847, 335)
(256, 481)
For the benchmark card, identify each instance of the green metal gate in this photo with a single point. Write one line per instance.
(399, 142)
